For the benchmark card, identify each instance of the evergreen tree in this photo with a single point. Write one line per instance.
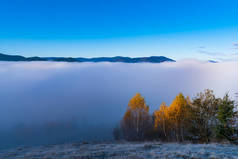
(226, 119)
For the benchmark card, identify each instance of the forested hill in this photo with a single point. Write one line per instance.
(152, 59)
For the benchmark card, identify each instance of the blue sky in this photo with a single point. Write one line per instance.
(180, 29)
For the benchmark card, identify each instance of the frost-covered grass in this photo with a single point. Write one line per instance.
(148, 150)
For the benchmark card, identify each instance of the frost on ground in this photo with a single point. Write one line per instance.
(148, 150)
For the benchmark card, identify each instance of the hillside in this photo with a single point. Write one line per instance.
(148, 150)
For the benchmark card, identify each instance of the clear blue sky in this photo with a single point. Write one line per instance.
(201, 29)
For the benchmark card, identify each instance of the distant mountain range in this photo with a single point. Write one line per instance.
(152, 59)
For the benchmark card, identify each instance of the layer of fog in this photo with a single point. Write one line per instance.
(51, 102)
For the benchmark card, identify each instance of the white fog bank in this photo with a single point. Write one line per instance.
(42, 98)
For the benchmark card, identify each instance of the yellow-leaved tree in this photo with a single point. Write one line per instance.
(178, 111)
(136, 120)
(161, 122)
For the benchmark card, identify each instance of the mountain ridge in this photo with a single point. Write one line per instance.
(151, 59)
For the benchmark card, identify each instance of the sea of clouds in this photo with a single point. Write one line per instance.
(52, 102)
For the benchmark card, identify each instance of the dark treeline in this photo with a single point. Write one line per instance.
(203, 119)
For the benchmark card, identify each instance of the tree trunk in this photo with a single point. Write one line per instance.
(164, 129)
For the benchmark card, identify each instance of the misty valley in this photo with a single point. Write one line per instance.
(45, 103)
